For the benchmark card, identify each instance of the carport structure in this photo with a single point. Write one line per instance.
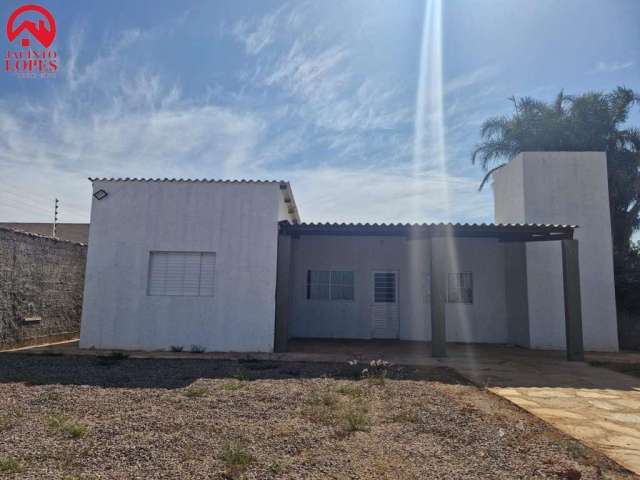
(441, 239)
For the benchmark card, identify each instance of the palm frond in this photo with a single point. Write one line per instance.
(488, 175)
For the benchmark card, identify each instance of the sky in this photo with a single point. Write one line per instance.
(323, 94)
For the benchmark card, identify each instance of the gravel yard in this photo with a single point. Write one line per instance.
(111, 417)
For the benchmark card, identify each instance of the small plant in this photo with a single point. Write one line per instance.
(67, 425)
(235, 456)
(320, 406)
(355, 418)
(350, 391)
(377, 371)
(276, 468)
(232, 387)
(5, 423)
(9, 465)
(176, 348)
(198, 349)
(326, 399)
(195, 392)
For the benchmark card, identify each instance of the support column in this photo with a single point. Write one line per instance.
(438, 298)
(283, 275)
(572, 301)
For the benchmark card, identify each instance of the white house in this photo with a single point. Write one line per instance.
(227, 265)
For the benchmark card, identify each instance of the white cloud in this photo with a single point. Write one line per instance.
(303, 112)
(608, 67)
(470, 79)
(328, 194)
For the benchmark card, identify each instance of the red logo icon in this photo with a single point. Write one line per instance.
(40, 32)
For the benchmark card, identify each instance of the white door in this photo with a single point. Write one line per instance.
(384, 310)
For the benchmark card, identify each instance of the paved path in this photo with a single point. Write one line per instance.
(597, 406)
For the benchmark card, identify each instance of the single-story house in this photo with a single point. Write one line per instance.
(229, 266)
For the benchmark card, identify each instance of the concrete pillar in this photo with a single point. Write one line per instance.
(438, 299)
(283, 277)
(572, 302)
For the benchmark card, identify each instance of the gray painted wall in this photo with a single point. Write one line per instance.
(566, 188)
(483, 321)
(237, 221)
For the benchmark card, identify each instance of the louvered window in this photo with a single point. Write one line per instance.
(186, 274)
(384, 287)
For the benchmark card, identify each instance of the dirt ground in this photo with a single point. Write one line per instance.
(111, 417)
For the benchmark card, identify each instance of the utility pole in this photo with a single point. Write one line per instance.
(55, 218)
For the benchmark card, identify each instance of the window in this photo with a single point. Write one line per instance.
(181, 274)
(460, 288)
(330, 285)
(384, 287)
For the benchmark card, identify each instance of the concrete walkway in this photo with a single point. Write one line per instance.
(597, 406)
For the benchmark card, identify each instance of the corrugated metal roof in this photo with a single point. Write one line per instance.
(505, 231)
(189, 180)
(425, 225)
(284, 185)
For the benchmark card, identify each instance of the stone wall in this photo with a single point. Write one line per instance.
(41, 284)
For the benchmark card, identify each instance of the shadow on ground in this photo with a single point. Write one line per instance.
(119, 371)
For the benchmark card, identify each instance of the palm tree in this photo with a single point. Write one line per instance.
(593, 121)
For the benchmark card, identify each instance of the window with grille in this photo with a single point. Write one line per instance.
(330, 285)
(384, 287)
(187, 274)
(460, 288)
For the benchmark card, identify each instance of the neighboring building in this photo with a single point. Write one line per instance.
(229, 267)
(72, 232)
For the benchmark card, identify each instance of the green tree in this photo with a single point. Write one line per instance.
(593, 121)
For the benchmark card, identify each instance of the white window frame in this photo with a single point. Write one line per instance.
(330, 270)
(200, 285)
(373, 287)
(460, 288)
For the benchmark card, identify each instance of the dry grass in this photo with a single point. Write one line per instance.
(9, 465)
(195, 392)
(66, 425)
(292, 420)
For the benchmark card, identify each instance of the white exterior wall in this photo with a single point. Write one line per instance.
(563, 188)
(237, 221)
(484, 321)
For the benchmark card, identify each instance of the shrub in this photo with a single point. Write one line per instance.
(377, 371)
(198, 349)
(9, 465)
(67, 425)
(176, 348)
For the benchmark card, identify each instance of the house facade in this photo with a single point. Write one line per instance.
(228, 266)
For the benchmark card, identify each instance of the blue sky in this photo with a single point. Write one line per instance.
(319, 93)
